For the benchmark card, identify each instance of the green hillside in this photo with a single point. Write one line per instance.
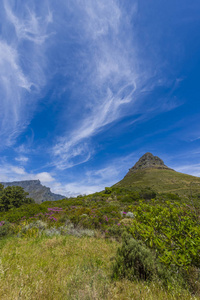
(162, 181)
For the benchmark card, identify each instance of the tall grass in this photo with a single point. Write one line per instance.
(68, 267)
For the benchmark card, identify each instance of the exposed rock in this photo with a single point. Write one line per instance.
(148, 160)
(36, 190)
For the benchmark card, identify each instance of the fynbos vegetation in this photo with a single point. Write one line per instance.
(126, 242)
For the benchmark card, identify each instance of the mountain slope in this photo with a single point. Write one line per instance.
(151, 171)
(36, 190)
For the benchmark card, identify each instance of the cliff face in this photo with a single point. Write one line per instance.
(36, 190)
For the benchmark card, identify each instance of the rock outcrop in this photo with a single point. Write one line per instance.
(36, 190)
(148, 160)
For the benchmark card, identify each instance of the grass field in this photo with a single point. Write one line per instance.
(69, 268)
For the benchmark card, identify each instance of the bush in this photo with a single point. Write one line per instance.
(147, 193)
(115, 231)
(170, 229)
(5, 228)
(134, 261)
(27, 210)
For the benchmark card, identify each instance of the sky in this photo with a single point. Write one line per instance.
(88, 86)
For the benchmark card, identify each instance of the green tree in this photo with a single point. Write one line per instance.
(1, 188)
(13, 196)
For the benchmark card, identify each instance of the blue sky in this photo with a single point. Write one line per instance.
(87, 87)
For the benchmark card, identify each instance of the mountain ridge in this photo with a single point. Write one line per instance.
(36, 190)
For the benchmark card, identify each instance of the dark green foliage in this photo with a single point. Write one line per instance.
(26, 210)
(1, 188)
(130, 197)
(147, 193)
(135, 261)
(170, 196)
(116, 231)
(5, 228)
(108, 190)
(13, 196)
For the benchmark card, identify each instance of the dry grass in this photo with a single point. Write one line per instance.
(68, 268)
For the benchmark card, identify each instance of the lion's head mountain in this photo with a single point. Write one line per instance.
(148, 171)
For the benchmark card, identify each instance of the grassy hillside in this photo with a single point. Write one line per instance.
(162, 181)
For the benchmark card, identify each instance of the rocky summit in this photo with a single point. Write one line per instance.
(148, 160)
(36, 190)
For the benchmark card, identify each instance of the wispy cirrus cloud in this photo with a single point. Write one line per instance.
(22, 44)
(111, 82)
(97, 179)
(29, 27)
(14, 85)
(191, 169)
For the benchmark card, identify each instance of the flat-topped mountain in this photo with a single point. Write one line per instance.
(150, 171)
(36, 190)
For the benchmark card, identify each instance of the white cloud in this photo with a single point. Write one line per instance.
(112, 82)
(13, 85)
(44, 177)
(21, 69)
(97, 180)
(192, 169)
(18, 171)
(75, 188)
(9, 173)
(31, 27)
(22, 159)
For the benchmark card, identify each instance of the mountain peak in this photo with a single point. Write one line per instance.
(148, 160)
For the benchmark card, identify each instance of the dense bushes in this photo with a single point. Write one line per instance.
(171, 229)
(5, 228)
(164, 243)
(163, 240)
(27, 210)
(135, 261)
(13, 196)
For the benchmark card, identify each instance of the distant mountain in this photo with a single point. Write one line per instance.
(151, 171)
(36, 190)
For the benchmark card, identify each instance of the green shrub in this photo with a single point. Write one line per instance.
(115, 231)
(172, 230)
(108, 190)
(147, 193)
(134, 261)
(5, 228)
(131, 197)
(169, 196)
(26, 210)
